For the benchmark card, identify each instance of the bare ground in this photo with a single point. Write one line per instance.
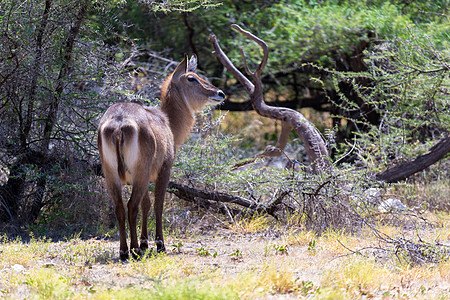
(271, 263)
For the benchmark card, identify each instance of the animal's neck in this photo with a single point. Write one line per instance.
(181, 115)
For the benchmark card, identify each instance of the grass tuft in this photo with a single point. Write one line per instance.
(48, 284)
(253, 224)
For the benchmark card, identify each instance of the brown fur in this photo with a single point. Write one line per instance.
(137, 145)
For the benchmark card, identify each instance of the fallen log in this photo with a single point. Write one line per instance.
(188, 193)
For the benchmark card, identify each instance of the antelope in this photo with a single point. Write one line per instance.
(138, 144)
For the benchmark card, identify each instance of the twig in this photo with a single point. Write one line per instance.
(271, 207)
(228, 211)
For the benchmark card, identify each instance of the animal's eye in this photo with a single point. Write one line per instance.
(191, 78)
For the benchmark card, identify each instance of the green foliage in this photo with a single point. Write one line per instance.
(236, 254)
(177, 246)
(206, 252)
(209, 162)
(312, 247)
(409, 90)
(329, 34)
(179, 5)
(281, 249)
(308, 288)
(296, 31)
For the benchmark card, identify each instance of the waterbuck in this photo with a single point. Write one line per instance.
(137, 146)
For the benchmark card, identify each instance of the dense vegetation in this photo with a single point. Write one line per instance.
(379, 69)
(373, 76)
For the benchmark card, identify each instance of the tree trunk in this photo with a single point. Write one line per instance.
(24, 132)
(11, 194)
(14, 205)
(63, 73)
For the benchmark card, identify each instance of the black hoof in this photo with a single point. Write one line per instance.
(160, 248)
(144, 245)
(124, 255)
(136, 253)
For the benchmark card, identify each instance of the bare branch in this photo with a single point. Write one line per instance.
(260, 42)
(408, 168)
(291, 119)
(247, 69)
(223, 58)
(188, 193)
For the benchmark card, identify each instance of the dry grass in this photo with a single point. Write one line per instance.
(255, 223)
(250, 263)
(251, 257)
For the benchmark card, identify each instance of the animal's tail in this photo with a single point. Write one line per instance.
(118, 137)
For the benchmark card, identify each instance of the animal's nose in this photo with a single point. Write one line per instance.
(221, 94)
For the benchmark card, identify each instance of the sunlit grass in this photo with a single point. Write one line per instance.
(49, 284)
(19, 252)
(183, 289)
(339, 242)
(423, 194)
(356, 276)
(256, 258)
(184, 275)
(255, 223)
(302, 238)
(162, 265)
(444, 270)
(263, 280)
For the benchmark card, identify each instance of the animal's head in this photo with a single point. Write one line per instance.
(190, 87)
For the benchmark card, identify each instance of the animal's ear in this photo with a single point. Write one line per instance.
(192, 63)
(181, 68)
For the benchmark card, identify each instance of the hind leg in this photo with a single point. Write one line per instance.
(145, 210)
(138, 193)
(115, 189)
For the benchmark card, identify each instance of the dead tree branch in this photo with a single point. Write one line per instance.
(291, 119)
(190, 194)
(408, 168)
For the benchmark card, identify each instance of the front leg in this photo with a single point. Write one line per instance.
(160, 192)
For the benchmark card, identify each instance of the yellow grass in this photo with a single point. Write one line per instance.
(255, 259)
(324, 270)
(252, 224)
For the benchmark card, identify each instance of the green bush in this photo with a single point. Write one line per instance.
(409, 90)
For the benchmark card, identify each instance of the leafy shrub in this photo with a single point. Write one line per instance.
(408, 89)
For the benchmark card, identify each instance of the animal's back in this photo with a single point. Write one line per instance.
(124, 131)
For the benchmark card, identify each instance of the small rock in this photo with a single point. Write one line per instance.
(18, 268)
(372, 195)
(391, 205)
(48, 265)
